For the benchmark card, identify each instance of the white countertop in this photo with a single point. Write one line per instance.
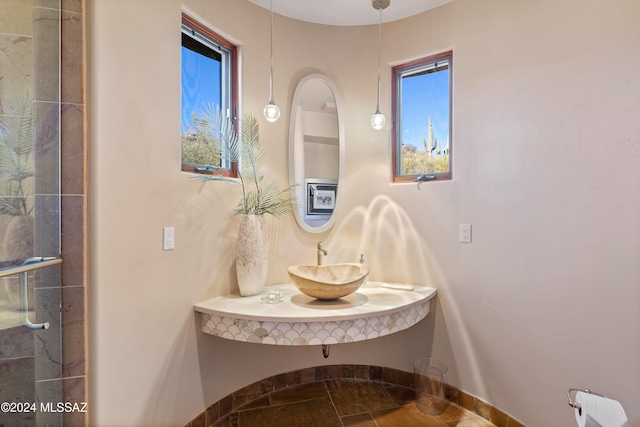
(370, 312)
(370, 299)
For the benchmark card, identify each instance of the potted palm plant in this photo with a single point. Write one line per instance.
(260, 196)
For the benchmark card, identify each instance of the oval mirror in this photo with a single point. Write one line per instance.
(316, 152)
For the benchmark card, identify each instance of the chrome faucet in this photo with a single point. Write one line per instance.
(320, 253)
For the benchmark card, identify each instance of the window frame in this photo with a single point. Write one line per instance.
(397, 73)
(197, 30)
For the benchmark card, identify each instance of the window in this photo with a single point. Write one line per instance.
(209, 84)
(422, 117)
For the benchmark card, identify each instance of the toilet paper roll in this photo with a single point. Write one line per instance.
(598, 411)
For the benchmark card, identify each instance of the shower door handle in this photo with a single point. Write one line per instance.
(24, 306)
(24, 295)
(30, 264)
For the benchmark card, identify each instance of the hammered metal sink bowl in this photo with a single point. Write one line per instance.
(328, 282)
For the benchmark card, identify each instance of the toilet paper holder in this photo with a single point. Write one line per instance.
(577, 405)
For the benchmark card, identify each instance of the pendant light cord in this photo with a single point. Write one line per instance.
(271, 55)
(271, 111)
(379, 43)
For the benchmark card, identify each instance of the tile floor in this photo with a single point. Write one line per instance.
(345, 403)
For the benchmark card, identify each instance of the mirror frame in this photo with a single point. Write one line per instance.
(297, 183)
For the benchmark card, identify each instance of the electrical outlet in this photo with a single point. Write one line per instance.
(465, 233)
(169, 241)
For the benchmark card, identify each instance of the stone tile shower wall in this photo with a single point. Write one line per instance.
(41, 58)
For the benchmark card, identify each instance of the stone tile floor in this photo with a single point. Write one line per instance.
(345, 403)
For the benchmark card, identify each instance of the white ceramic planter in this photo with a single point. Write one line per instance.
(252, 255)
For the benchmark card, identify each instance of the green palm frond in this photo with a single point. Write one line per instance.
(16, 138)
(16, 164)
(219, 130)
(269, 199)
(17, 175)
(12, 202)
(8, 208)
(230, 181)
(253, 157)
(210, 138)
(258, 197)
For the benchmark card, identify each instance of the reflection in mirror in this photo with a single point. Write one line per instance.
(316, 148)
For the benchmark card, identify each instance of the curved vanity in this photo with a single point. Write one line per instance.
(297, 319)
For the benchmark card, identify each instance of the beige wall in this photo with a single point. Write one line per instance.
(547, 170)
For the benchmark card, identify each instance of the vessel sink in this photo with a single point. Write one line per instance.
(330, 281)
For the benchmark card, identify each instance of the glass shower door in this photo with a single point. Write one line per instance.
(30, 355)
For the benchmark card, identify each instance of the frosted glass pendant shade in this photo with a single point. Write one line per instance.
(271, 112)
(378, 120)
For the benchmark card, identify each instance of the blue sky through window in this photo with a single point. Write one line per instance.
(424, 96)
(201, 84)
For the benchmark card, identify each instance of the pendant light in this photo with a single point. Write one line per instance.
(378, 120)
(271, 111)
